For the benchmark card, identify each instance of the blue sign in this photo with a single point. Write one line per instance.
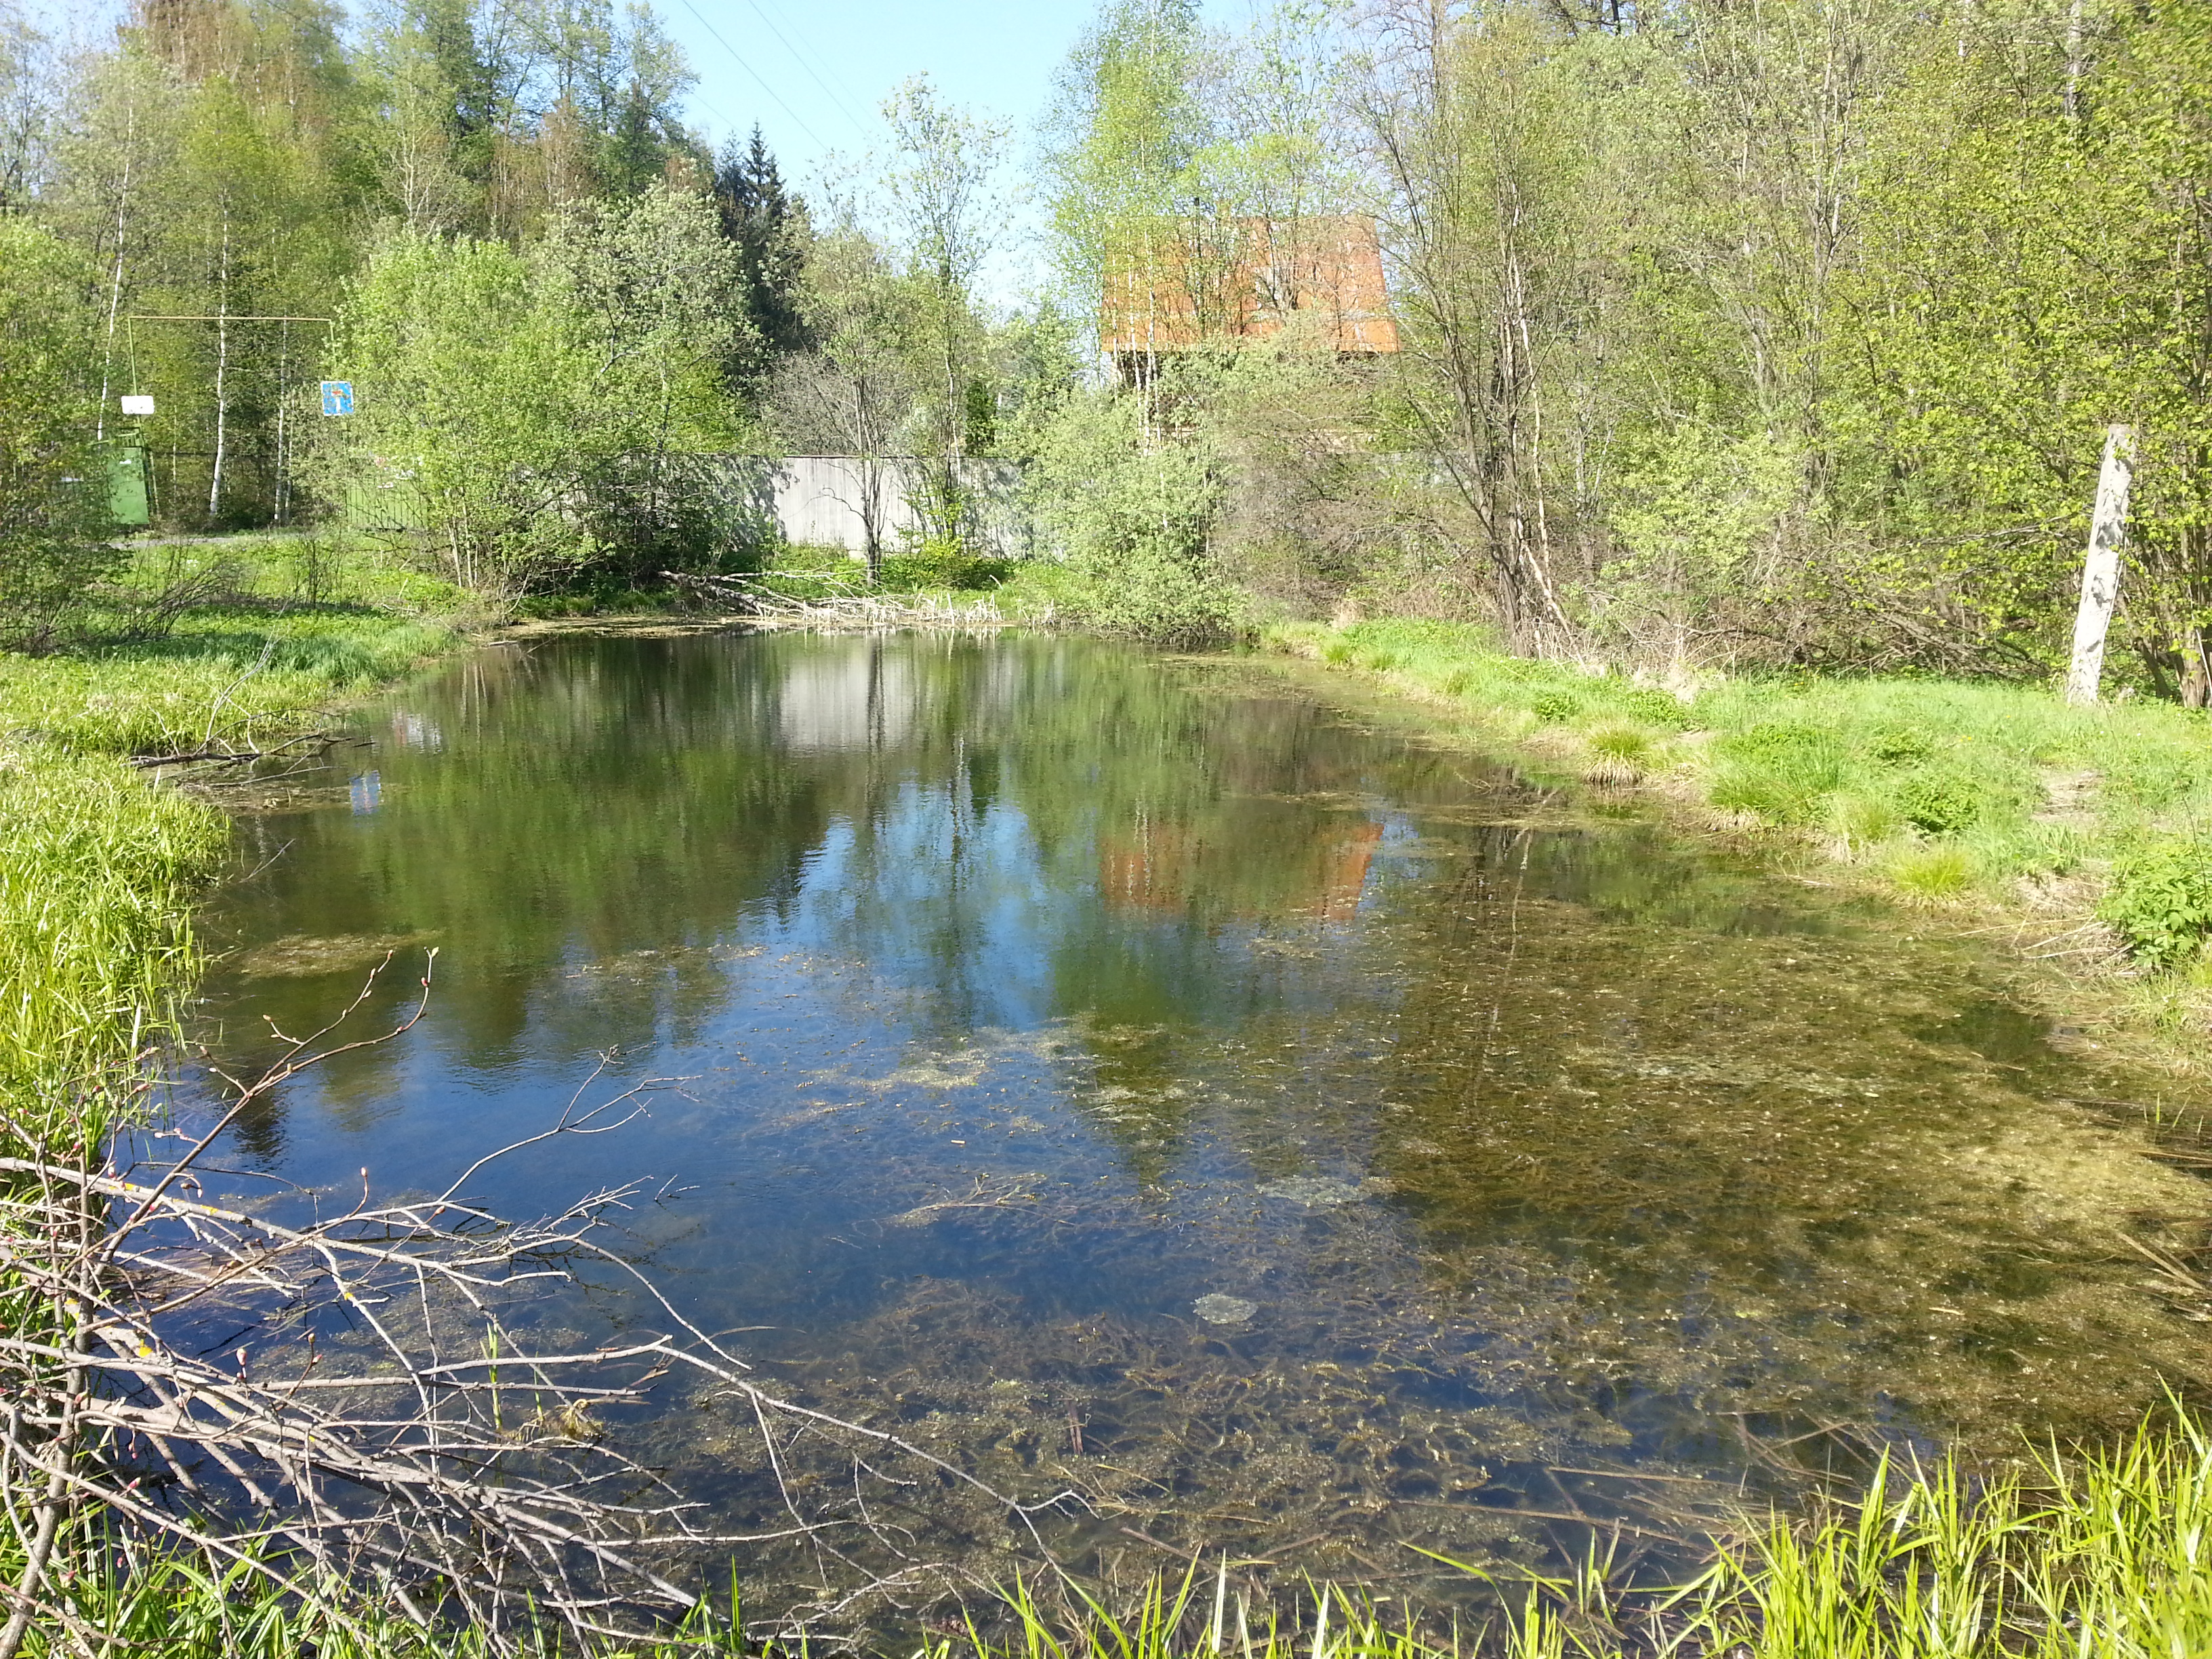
(337, 397)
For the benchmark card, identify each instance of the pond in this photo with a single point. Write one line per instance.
(1158, 1080)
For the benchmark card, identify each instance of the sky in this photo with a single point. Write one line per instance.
(814, 74)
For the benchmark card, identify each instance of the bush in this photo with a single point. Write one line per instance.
(1132, 519)
(1555, 707)
(943, 561)
(2161, 900)
(530, 416)
(1943, 802)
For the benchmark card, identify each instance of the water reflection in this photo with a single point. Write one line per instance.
(1038, 1002)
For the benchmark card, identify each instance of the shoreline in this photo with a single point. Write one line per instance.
(2101, 1004)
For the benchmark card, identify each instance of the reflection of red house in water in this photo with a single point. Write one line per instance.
(1167, 867)
(1153, 870)
(1347, 875)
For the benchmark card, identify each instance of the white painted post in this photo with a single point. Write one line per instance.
(2100, 570)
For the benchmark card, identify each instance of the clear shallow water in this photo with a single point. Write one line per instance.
(1345, 1145)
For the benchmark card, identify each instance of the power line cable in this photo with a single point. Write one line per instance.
(800, 58)
(756, 74)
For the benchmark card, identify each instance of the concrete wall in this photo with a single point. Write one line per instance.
(820, 500)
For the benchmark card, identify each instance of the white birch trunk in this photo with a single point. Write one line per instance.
(2100, 569)
(222, 370)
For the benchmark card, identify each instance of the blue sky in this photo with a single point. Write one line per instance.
(814, 74)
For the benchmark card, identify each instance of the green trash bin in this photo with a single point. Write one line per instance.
(127, 503)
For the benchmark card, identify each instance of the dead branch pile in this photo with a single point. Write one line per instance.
(387, 1430)
(745, 597)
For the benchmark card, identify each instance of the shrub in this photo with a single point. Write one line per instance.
(1941, 802)
(53, 523)
(943, 561)
(1132, 519)
(2161, 900)
(1555, 707)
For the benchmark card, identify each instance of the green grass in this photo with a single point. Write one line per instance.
(1942, 788)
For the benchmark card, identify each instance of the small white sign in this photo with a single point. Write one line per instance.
(137, 404)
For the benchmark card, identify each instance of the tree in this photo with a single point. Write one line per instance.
(941, 189)
(53, 508)
(770, 228)
(2044, 270)
(529, 413)
(855, 393)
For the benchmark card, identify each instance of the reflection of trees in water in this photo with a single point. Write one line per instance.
(597, 815)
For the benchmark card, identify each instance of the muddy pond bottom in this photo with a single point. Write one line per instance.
(1138, 1079)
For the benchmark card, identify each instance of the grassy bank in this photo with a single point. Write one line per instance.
(2092, 826)
(98, 875)
(2094, 1558)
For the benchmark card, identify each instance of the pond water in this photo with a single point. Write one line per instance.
(1148, 1077)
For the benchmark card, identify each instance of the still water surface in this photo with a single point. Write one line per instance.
(1343, 1144)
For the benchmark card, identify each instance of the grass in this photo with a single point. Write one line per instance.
(1940, 790)
(101, 867)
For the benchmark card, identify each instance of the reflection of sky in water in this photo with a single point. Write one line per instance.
(1026, 995)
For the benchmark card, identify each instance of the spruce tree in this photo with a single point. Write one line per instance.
(769, 225)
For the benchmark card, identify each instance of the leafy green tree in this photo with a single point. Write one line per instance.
(529, 415)
(1125, 126)
(855, 393)
(53, 508)
(941, 189)
(1131, 519)
(2043, 271)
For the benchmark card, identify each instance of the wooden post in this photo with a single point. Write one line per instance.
(2100, 570)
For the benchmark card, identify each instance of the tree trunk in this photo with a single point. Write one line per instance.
(221, 370)
(2100, 569)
